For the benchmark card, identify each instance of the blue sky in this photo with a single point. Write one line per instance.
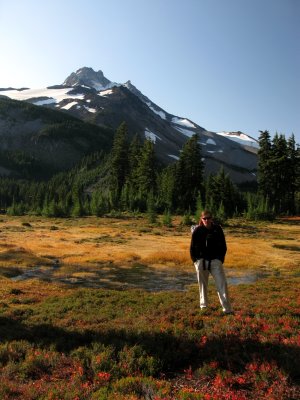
(227, 65)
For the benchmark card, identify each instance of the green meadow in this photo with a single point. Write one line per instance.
(108, 308)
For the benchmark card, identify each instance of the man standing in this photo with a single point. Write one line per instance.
(208, 249)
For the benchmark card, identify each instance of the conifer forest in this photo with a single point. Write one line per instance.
(129, 178)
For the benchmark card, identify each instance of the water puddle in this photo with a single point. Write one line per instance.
(143, 277)
(37, 273)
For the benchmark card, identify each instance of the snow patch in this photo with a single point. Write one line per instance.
(172, 156)
(92, 110)
(183, 121)
(215, 151)
(105, 92)
(159, 113)
(151, 136)
(99, 87)
(241, 138)
(57, 95)
(186, 132)
(69, 105)
(211, 141)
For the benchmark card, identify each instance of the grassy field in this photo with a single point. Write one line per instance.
(107, 308)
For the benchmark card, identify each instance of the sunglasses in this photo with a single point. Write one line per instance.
(205, 218)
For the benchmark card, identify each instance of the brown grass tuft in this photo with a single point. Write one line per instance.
(173, 256)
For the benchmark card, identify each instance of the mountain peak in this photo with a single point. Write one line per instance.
(86, 76)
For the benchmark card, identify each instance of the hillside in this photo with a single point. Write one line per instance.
(37, 142)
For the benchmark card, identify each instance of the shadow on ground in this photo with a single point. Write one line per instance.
(174, 352)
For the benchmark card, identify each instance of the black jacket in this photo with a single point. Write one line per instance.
(209, 244)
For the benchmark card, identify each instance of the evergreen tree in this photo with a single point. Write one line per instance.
(97, 204)
(209, 200)
(293, 183)
(222, 196)
(264, 176)
(130, 194)
(77, 209)
(134, 155)
(53, 209)
(45, 208)
(199, 207)
(189, 174)
(166, 187)
(167, 218)
(14, 209)
(258, 208)
(279, 172)
(119, 159)
(146, 172)
(297, 180)
(151, 210)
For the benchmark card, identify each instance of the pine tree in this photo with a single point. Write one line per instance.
(97, 204)
(221, 192)
(279, 172)
(264, 175)
(166, 187)
(53, 209)
(167, 218)
(146, 172)
(278, 163)
(151, 210)
(130, 193)
(45, 209)
(119, 159)
(77, 209)
(189, 174)
(134, 155)
(293, 183)
(199, 207)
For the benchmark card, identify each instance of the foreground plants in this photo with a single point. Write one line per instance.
(63, 343)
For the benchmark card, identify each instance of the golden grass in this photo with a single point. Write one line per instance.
(255, 253)
(21, 257)
(168, 256)
(270, 245)
(87, 243)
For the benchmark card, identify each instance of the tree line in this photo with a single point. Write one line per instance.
(279, 172)
(130, 178)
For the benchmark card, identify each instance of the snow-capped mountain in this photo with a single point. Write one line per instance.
(91, 97)
(88, 77)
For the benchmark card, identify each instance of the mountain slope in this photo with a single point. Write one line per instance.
(91, 97)
(36, 141)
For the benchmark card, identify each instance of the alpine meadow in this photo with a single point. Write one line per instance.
(107, 308)
(99, 190)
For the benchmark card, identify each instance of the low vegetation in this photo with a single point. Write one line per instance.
(106, 318)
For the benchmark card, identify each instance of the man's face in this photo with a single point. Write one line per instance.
(206, 219)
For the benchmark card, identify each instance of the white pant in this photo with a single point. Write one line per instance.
(217, 271)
